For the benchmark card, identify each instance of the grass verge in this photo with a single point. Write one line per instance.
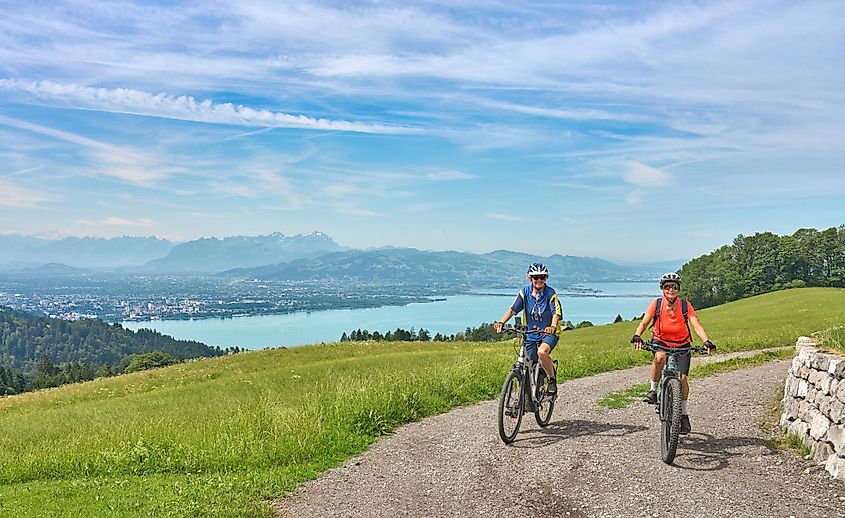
(769, 425)
(832, 339)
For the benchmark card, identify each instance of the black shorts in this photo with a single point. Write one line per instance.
(684, 359)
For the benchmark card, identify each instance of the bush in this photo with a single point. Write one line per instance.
(146, 361)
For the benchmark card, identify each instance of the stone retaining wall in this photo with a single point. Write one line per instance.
(814, 404)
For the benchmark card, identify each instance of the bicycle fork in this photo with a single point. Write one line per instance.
(663, 405)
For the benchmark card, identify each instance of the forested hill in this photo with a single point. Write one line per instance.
(25, 338)
(766, 262)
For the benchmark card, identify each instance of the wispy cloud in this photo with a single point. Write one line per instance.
(119, 162)
(116, 221)
(12, 195)
(646, 176)
(505, 217)
(357, 211)
(446, 176)
(184, 107)
(635, 197)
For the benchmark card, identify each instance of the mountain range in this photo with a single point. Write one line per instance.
(152, 254)
(303, 257)
(18, 252)
(213, 255)
(417, 267)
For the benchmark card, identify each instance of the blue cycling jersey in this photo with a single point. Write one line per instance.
(538, 311)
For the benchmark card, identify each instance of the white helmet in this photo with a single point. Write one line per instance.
(670, 277)
(537, 269)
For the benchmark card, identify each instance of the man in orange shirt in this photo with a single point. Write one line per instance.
(671, 329)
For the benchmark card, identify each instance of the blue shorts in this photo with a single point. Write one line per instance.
(532, 345)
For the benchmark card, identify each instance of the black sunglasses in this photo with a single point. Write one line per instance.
(539, 277)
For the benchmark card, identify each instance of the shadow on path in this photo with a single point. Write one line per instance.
(561, 430)
(704, 452)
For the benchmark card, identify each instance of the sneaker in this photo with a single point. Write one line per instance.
(685, 426)
(650, 397)
(551, 389)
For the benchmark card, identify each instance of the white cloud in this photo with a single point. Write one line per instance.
(505, 217)
(445, 176)
(119, 162)
(357, 211)
(635, 197)
(183, 107)
(646, 176)
(12, 195)
(116, 221)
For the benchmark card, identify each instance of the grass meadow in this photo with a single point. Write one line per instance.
(219, 437)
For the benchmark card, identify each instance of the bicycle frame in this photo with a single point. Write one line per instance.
(670, 370)
(531, 371)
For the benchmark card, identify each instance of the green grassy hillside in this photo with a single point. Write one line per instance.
(216, 437)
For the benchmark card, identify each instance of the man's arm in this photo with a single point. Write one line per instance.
(507, 316)
(699, 329)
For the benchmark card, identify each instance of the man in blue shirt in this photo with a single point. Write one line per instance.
(541, 311)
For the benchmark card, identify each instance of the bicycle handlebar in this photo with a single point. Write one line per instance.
(653, 347)
(522, 330)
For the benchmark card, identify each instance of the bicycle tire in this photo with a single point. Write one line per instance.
(511, 406)
(670, 426)
(543, 414)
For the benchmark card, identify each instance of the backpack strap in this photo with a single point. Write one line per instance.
(657, 303)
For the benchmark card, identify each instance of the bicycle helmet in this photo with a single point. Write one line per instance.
(670, 277)
(537, 269)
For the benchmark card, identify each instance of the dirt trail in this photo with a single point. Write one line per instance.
(589, 461)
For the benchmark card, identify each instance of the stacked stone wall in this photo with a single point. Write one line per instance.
(814, 404)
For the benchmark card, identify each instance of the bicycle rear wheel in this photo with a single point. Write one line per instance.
(670, 428)
(543, 414)
(511, 405)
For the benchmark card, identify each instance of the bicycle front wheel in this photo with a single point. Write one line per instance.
(511, 405)
(545, 405)
(670, 428)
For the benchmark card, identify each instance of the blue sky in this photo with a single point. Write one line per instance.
(624, 130)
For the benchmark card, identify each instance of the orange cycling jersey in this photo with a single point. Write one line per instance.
(672, 329)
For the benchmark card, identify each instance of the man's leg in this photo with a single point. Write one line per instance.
(546, 361)
(656, 370)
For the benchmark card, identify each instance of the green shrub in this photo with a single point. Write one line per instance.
(146, 361)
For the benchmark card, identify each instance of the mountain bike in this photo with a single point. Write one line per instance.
(669, 397)
(525, 390)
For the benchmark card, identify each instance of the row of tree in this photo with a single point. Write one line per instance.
(766, 262)
(482, 333)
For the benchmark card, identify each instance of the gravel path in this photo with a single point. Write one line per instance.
(590, 461)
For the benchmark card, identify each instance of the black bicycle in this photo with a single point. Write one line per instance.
(669, 397)
(525, 390)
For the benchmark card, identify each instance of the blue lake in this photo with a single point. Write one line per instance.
(452, 315)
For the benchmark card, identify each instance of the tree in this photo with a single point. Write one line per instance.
(618, 319)
(145, 361)
(104, 371)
